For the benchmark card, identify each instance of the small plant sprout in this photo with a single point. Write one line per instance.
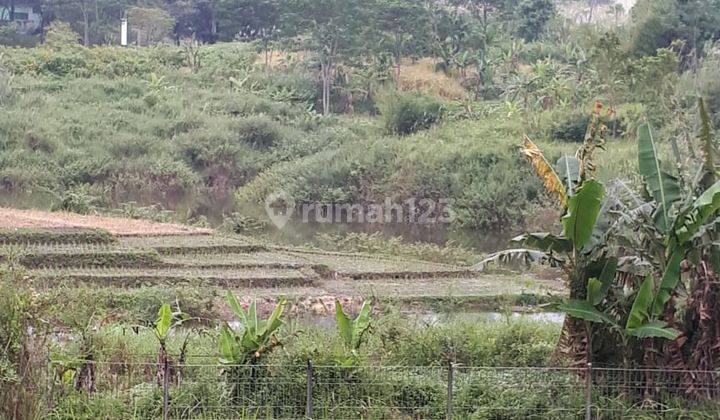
(166, 322)
(352, 332)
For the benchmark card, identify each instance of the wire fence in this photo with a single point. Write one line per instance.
(194, 391)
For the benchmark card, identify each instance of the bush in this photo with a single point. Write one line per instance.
(286, 87)
(61, 60)
(406, 113)
(259, 131)
(59, 34)
(13, 36)
(6, 87)
(515, 343)
(571, 128)
(82, 199)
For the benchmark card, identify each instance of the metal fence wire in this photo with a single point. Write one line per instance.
(408, 392)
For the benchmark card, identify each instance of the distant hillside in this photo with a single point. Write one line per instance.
(597, 11)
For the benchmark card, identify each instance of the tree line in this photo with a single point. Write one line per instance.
(226, 20)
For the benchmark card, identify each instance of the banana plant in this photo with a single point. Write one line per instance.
(166, 321)
(243, 351)
(678, 220)
(352, 332)
(581, 249)
(578, 195)
(640, 322)
(257, 338)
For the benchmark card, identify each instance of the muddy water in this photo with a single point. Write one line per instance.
(297, 232)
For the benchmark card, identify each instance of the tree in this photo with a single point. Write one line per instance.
(152, 25)
(60, 34)
(402, 22)
(252, 20)
(194, 19)
(68, 10)
(483, 10)
(533, 16)
(333, 28)
(487, 13)
(656, 24)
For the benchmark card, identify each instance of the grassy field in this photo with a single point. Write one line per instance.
(136, 133)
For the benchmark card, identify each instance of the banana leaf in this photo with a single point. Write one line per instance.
(163, 322)
(228, 346)
(690, 221)
(544, 171)
(598, 287)
(545, 242)
(709, 175)
(640, 312)
(582, 309)
(654, 329)
(663, 187)
(568, 170)
(670, 280)
(525, 257)
(583, 211)
(345, 326)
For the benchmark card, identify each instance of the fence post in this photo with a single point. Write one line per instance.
(588, 392)
(450, 385)
(166, 387)
(309, 391)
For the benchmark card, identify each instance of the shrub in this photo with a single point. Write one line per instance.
(515, 343)
(80, 199)
(241, 224)
(13, 36)
(286, 87)
(227, 59)
(406, 113)
(259, 131)
(571, 128)
(59, 34)
(6, 87)
(18, 369)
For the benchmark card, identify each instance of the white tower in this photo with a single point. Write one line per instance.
(124, 33)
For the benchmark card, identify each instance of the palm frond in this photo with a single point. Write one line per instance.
(544, 171)
(519, 257)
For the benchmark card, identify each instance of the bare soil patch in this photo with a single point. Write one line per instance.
(13, 219)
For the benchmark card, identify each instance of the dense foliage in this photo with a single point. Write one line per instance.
(206, 130)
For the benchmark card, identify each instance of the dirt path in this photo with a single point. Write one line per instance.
(12, 218)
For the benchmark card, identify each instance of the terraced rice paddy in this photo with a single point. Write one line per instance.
(208, 262)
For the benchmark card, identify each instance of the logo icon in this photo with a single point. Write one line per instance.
(280, 207)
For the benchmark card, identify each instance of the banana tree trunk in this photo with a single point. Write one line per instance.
(574, 343)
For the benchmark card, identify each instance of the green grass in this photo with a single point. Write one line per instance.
(447, 287)
(79, 255)
(25, 236)
(259, 277)
(182, 244)
(216, 260)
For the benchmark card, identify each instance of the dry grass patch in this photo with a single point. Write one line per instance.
(422, 77)
(15, 219)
